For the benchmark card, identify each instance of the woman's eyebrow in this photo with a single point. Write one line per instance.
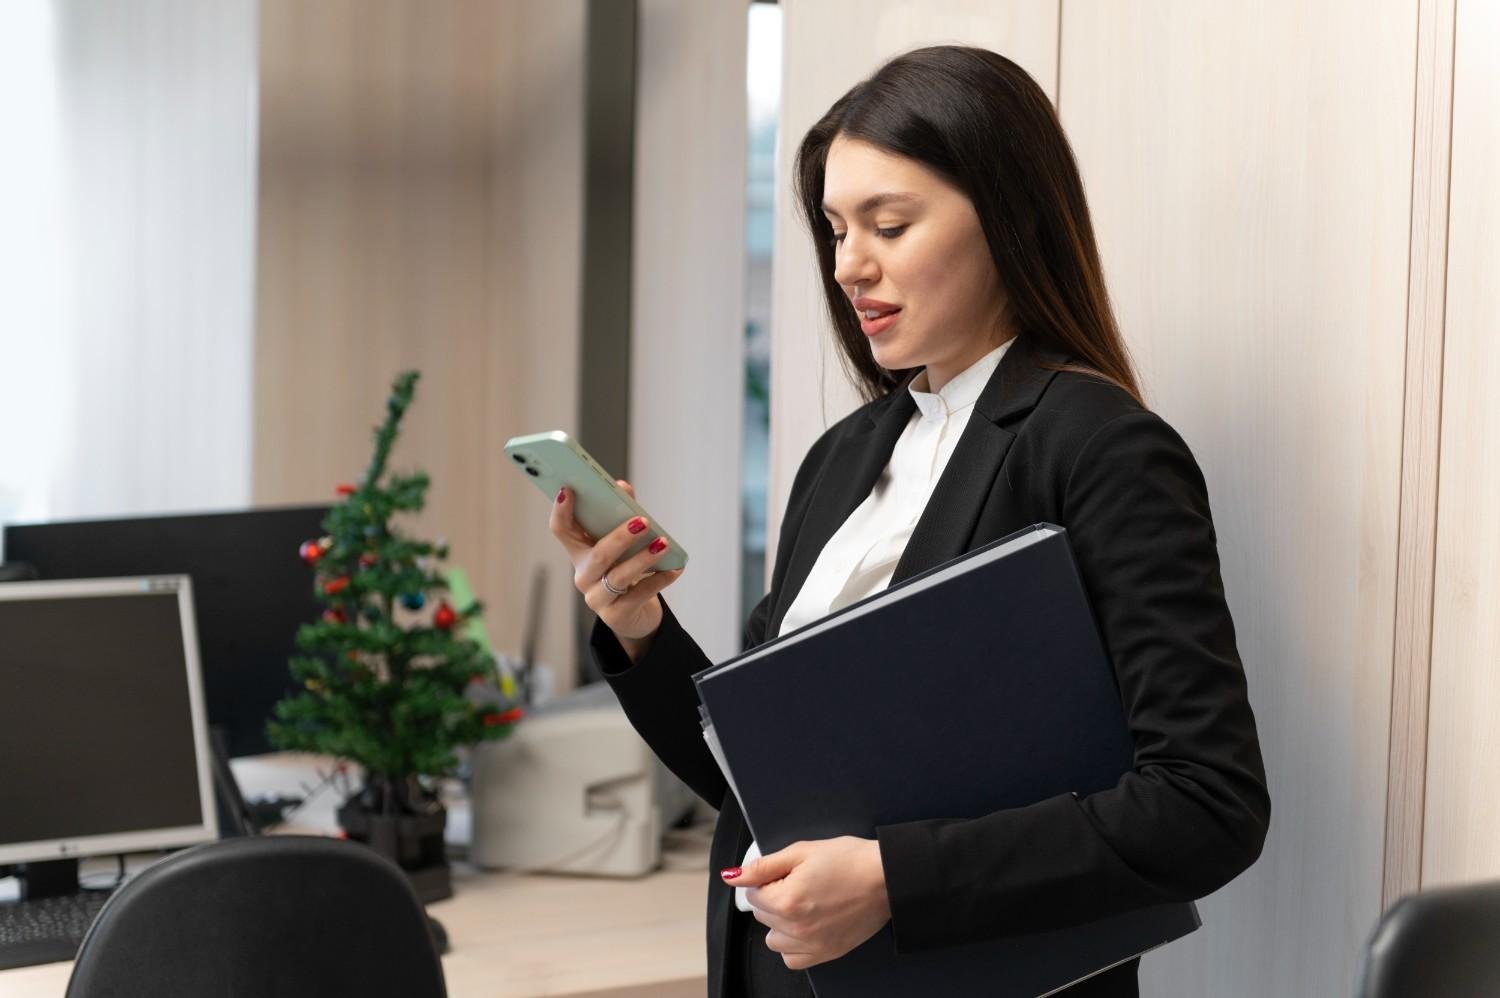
(875, 201)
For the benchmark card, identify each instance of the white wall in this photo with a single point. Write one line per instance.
(688, 300)
(146, 260)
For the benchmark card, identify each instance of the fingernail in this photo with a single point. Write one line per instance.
(659, 545)
(562, 494)
(730, 873)
(637, 525)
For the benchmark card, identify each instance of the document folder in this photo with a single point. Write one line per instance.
(979, 685)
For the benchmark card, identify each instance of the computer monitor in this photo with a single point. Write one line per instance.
(103, 734)
(251, 593)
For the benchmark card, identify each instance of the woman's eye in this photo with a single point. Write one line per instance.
(891, 232)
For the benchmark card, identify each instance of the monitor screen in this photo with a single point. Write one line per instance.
(251, 593)
(103, 740)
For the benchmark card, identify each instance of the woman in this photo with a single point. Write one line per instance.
(961, 273)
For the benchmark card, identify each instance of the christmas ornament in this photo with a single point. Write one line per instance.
(443, 618)
(413, 601)
(346, 489)
(335, 586)
(334, 616)
(511, 716)
(367, 560)
(310, 551)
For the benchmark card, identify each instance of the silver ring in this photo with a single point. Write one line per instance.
(618, 592)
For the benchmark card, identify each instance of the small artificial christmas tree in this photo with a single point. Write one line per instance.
(386, 683)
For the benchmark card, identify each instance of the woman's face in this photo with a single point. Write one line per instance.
(905, 239)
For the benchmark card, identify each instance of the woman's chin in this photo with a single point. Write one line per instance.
(891, 360)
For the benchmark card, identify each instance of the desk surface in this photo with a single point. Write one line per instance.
(514, 935)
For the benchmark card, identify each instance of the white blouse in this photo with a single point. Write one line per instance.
(860, 558)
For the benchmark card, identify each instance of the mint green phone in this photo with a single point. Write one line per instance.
(553, 460)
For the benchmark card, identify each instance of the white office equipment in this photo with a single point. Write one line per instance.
(573, 790)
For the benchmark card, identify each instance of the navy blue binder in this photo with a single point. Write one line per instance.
(978, 685)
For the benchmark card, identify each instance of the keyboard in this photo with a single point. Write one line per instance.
(46, 930)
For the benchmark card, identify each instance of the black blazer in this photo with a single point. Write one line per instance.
(1068, 449)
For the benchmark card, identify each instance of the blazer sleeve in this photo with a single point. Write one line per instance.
(660, 700)
(657, 692)
(1193, 812)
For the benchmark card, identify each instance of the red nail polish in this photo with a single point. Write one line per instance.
(562, 494)
(659, 545)
(730, 873)
(637, 525)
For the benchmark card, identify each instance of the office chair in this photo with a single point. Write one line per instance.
(290, 916)
(1444, 941)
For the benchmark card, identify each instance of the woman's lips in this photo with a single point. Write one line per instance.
(874, 327)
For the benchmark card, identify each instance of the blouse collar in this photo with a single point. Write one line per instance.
(961, 391)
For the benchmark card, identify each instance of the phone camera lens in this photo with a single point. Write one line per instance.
(532, 472)
(518, 458)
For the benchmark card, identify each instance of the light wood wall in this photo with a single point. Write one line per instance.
(1270, 189)
(1461, 839)
(420, 206)
(1252, 203)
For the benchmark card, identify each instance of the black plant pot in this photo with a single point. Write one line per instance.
(413, 842)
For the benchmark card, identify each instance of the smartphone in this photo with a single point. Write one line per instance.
(553, 460)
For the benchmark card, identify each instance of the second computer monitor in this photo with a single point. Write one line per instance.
(250, 588)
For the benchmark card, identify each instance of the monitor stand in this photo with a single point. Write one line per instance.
(235, 818)
(48, 879)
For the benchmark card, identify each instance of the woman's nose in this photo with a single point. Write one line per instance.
(852, 265)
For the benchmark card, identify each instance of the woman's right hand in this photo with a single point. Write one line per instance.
(635, 616)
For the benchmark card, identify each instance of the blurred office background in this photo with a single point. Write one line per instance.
(227, 223)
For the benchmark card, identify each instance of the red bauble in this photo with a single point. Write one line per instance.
(493, 720)
(335, 586)
(346, 489)
(310, 551)
(443, 617)
(334, 616)
(367, 560)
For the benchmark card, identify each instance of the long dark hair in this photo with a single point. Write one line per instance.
(981, 122)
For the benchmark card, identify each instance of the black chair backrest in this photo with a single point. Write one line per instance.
(289, 916)
(1444, 941)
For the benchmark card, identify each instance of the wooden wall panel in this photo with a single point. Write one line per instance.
(1249, 170)
(420, 206)
(1461, 839)
(1425, 302)
(830, 45)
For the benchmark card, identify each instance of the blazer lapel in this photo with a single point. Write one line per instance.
(947, 524)
(946, 527)
(853, 468)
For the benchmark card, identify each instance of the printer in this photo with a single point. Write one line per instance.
(573, 789)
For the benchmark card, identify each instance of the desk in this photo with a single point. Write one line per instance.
(522, 935)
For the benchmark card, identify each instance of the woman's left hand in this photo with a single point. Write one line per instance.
(820, 899)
